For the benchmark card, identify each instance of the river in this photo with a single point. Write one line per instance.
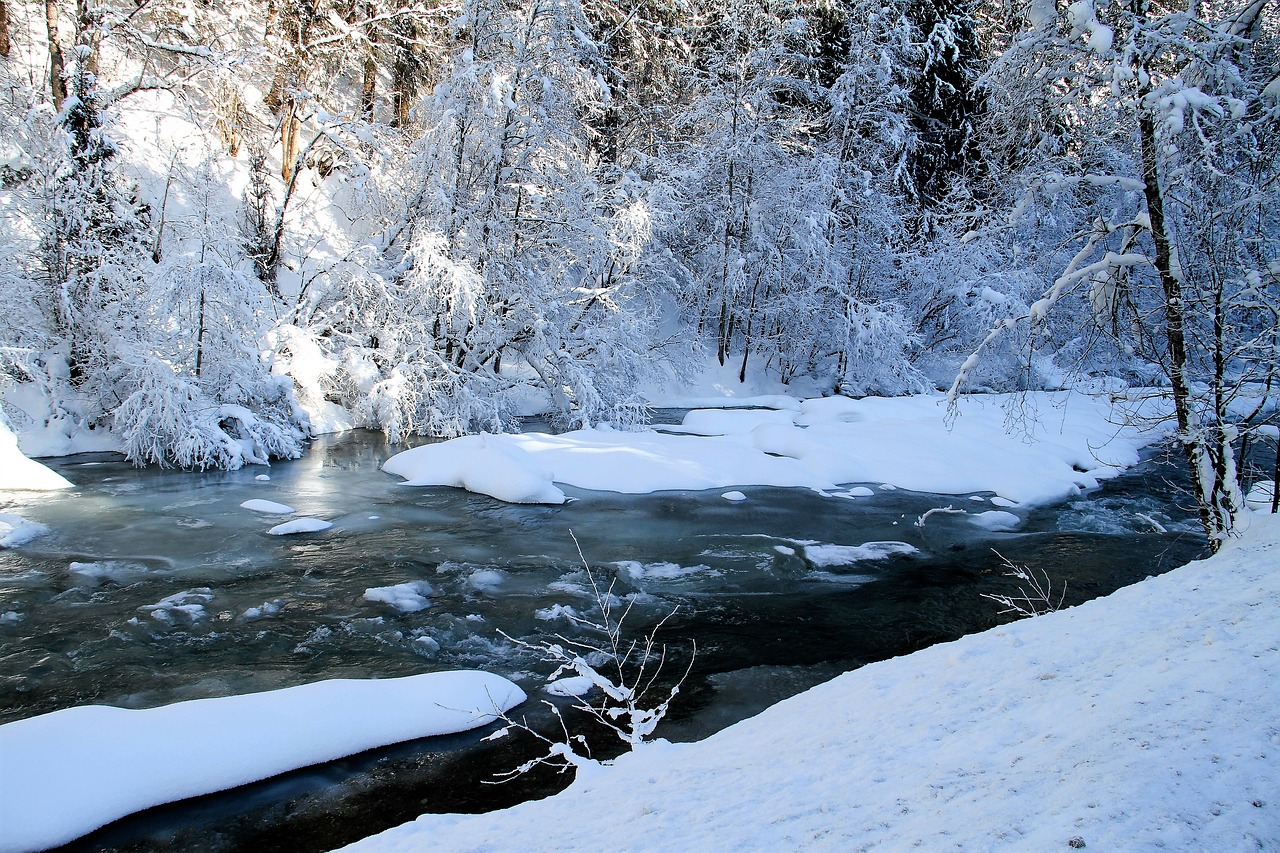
(155, 586)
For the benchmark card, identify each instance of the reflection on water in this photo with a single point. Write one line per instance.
(156, 586)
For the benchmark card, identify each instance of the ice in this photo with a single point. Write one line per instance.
(16, 530)
(72, 771)
(300, 525)
(271, 507)
(486, 580)
(734, 496)
(406, 597)
(120, 571)
(574, 685)
(187, 605)
(659, 571)
(995, 520)
(843, 555)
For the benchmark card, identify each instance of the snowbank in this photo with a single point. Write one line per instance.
(1139, 721)
(485, 464)
(904, 441)
(72, 771)
(19, 472)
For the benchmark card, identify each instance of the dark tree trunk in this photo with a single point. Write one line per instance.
(57, 66)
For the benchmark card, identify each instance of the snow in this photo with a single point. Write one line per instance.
(270, 507)
(996, 519)
(734, 496)
(300, 525)
(16, 530)
(1144, 720)
(406, 597)
(72, 771)
(486, 464)
(844, 555)
(17, 472)
(903, 442)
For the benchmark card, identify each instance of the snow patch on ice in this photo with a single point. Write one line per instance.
(844, 555)
(300, 525)
(659, 571)
(16, 530)
(407, 597)
(269, 507)
(995, 519)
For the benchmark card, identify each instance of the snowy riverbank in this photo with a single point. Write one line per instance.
(1143, 720)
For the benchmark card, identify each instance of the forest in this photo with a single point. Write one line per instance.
(232, 225)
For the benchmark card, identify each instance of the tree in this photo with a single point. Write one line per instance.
(512, 268)
(1170, 176)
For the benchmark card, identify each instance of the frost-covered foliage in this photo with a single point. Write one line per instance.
(1148, 204)
(509, 280)
(165, 353)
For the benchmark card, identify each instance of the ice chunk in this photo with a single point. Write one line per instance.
(843, 555)
(406, 597)
(996, 519)
(300, 525)
(734, 496)
(260, 505)
(16, 530)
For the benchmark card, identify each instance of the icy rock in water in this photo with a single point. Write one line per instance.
(262, 478)
(300, 525)
(69, 772)
(860, 492)
(259, 505)
(406, 597)
(1005, 502)
(574, 685)
(996, 519)
(16, 530)
(843, 555)
(734, 496)
(483, 464)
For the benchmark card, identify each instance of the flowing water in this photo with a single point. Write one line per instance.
(155, 586)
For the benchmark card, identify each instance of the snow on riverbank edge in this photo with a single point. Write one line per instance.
(72, 771)
(997, 444)
(1144, 720)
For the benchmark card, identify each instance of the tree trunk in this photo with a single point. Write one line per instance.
(57, 67)
(368, 87)
(1207, 447)
(4, 29)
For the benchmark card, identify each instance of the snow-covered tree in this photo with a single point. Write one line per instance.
(1160, 161)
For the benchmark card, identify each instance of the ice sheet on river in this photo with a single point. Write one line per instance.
(72, 771)
(907, 442)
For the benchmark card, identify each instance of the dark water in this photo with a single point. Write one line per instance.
(155, 586)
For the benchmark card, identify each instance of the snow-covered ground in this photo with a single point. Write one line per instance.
(69, 772)
(1028, 449)
(19, 472)
(1146, 720)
